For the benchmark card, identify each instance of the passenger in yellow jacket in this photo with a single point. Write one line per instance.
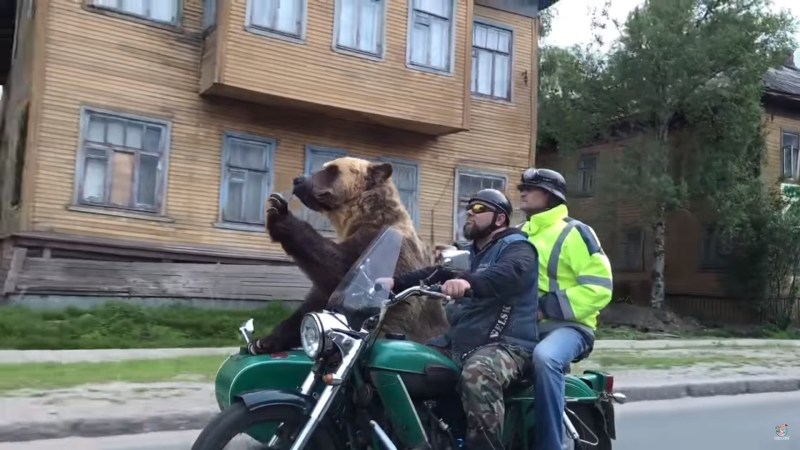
(575, 283)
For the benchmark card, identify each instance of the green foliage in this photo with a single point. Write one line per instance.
(680, 91)
(120, 325)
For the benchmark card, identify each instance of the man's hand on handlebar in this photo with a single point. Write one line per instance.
(387, 283)
(455, 288)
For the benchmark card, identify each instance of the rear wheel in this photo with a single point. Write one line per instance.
(222, 433)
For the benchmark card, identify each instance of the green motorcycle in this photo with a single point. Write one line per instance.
(352, 387)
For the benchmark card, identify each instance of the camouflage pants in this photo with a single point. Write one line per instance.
(486, 373)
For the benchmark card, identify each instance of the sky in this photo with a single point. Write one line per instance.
(571, 24)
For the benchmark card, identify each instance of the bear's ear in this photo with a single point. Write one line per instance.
(378, 173)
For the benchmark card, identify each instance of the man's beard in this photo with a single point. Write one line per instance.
(473, 232)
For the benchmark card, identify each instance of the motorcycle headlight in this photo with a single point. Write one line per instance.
(311, 335)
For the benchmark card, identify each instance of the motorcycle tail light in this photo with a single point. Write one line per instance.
(609, 383)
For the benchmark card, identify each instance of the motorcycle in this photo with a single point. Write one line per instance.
(352, 387)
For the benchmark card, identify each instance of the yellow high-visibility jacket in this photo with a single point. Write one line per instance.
(575, 280)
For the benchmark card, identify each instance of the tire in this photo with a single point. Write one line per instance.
(237, 418)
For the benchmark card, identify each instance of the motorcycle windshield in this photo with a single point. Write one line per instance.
(357, 297)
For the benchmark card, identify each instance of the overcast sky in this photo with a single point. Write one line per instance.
(571, 24)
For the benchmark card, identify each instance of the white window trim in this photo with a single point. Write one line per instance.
(512, 60)
(380, 56)
(450, 71)
(272, 33)
(179, 4)
(457, 186)
(223, 185)
(162, 192)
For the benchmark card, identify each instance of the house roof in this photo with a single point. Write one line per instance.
(783, 82)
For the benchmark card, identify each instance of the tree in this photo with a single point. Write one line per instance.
(684, 80)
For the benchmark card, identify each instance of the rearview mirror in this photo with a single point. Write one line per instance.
(246, 331)
(455, 259)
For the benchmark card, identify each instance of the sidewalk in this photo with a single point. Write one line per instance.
(126, 408)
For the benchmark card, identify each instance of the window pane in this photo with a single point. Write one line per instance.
(135, 6)
(440, 43)
(152, 139)
(122, 179)
(484, 72)
(233, 207)
(502, 67)
(249, 155)
(148, 180)
(133, 136)
(348, 22)
(279, 15)
(163, 10)
(420, 36)
(254, 197)
(97, 129)
(94, 180)
(479, 36)
(438, 7)
(116, 132)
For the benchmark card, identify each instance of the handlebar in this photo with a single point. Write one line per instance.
(434, 290)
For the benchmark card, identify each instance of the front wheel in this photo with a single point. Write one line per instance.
(237, 419)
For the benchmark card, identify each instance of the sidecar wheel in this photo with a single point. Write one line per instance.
(236, 419)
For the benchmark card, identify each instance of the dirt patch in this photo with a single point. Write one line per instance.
(648, 320)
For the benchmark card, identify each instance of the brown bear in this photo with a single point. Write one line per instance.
(360, 200)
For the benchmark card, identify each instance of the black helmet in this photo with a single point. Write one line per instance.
(549, 180)
(496, 199)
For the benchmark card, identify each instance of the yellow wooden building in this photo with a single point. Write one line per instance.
(140, 139)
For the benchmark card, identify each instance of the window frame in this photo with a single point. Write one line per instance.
(174, 25)
(261, 30)
(512, 61)
(382, 35)
(796, 175)
(579, 180)
(483, 173)
(417, 188)
(310, 150)
(628, 265)
(272, 144)
(162, 186)
(450, 70)
(711, 262)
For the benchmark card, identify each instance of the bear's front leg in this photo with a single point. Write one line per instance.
(286, 335)
(324, 261)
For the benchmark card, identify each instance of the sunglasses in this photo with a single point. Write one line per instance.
(478, 208)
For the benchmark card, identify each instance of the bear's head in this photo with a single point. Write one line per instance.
(342, 183)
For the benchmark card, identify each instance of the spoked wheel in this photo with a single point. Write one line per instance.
(229, 429)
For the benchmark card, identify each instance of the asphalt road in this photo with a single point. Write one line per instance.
(745, 422)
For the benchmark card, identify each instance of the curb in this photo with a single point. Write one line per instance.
(196, 420)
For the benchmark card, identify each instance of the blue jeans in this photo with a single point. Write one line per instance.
(551, 357)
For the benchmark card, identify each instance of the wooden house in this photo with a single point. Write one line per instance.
(140, 139)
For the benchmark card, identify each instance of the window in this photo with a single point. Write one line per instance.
(209, 13)
(19, 158)
(406, 178)
(315, 158)
(491, 61)
(246, 178)
(430, 34)
(713, 256)
(631, 251)
(284, 17)
(359, 25)
(587, 168)
(157, 10)
(467, 184)
(122, 161)
(790, 153)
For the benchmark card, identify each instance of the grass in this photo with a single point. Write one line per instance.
(42, 376)
(766, 332)
(120, 325)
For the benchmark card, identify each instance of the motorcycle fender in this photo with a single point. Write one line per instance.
(254, 400)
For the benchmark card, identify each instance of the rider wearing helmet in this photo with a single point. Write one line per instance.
(492, 331)
(575, 283)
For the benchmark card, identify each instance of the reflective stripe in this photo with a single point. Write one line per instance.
(552, 272)
(596, 281)
(555, 255)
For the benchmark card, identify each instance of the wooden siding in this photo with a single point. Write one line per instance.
(776, 121)
(310, 73)
(15, 112)
(125, 66)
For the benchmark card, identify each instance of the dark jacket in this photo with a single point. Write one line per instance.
(503, 307)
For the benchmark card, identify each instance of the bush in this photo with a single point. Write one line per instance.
(122, 325)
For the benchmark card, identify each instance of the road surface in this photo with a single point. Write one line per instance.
(745, 422)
